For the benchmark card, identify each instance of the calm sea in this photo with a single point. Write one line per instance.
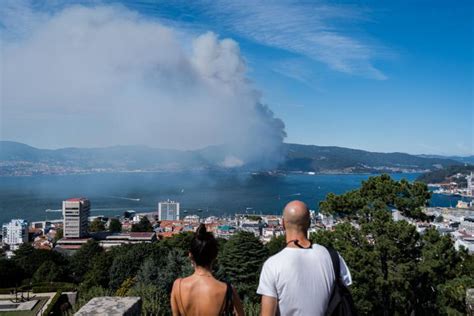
(199, 193)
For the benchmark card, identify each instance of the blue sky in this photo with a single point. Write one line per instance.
(376, 75)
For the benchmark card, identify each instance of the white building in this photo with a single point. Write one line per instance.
(467, 225)
(470, 184)
(168, 210)
(194, 219)
(15, 233)
(76, 213)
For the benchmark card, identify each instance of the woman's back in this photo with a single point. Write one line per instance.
(200, 295)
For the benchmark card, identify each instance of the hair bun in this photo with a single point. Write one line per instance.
(201, 231)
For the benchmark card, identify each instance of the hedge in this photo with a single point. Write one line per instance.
(51, 305)
(9, 290)
(53, 287)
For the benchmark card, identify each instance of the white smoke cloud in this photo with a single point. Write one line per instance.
(96, 76)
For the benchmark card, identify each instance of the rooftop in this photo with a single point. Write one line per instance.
(76, 199)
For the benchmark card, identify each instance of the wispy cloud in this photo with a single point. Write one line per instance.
(313, 30)
(295, 69)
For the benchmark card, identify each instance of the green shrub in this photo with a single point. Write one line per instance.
(9, 290)
(53, 287)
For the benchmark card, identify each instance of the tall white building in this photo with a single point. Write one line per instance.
(470, 184)
(15, 233)
(168, 210)
(76, 213)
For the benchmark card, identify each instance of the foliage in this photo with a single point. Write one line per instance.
(48, 271)
(97, 225)
(445, 174)
(81, 261)
(53, 287)
(143, 226)
(254, 217)
(155, 301)
(59, 234)
(395, 270)
(276, 244)
(98, 274)
(376, 193)
(29, 259)
(241, 260)
(252, 309)
(324, 158)
(10, 273)
(115, 226)
(179, 241)
(125, 287)
(126, 262)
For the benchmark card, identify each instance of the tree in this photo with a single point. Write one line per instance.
(59, 234)
(10, 273)
(179, 241)
(395, 270)
(82, 260)
(98, 274)
(276, 244)
(48, 271)
(155, 279)
(125, 287)
(127, 261)
(382, 192)
(29, 259)
(241, 261)
(143, 226)
(155, 301)
(97, 225)
(115, 226)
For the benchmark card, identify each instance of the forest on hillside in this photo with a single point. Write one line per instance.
(447, 175)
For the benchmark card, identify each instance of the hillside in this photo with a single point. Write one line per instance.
(329, 158)
(20, 159)
(465, 159)
(448, 174)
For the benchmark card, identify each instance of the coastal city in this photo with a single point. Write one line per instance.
(77, 227)
(255, 158)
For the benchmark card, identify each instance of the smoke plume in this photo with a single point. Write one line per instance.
(99, 76)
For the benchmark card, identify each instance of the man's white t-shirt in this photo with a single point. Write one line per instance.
(301, 280)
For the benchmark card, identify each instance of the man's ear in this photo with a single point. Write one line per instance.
(283, 223)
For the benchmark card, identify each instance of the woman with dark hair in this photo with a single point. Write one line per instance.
(201, 293)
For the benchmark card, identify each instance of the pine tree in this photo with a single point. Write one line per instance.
(241, 261)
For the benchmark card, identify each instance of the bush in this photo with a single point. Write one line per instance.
(6, 290)
(9, 290)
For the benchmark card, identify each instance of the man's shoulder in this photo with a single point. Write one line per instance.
(283, 254)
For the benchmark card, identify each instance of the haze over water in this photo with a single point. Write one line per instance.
(216, 194)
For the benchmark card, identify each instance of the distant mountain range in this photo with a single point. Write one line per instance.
(21, 159)
(465, 159)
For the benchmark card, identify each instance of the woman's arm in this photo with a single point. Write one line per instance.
(238, 308)
(174, 298)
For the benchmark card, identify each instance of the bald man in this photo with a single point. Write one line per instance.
(298, 280)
